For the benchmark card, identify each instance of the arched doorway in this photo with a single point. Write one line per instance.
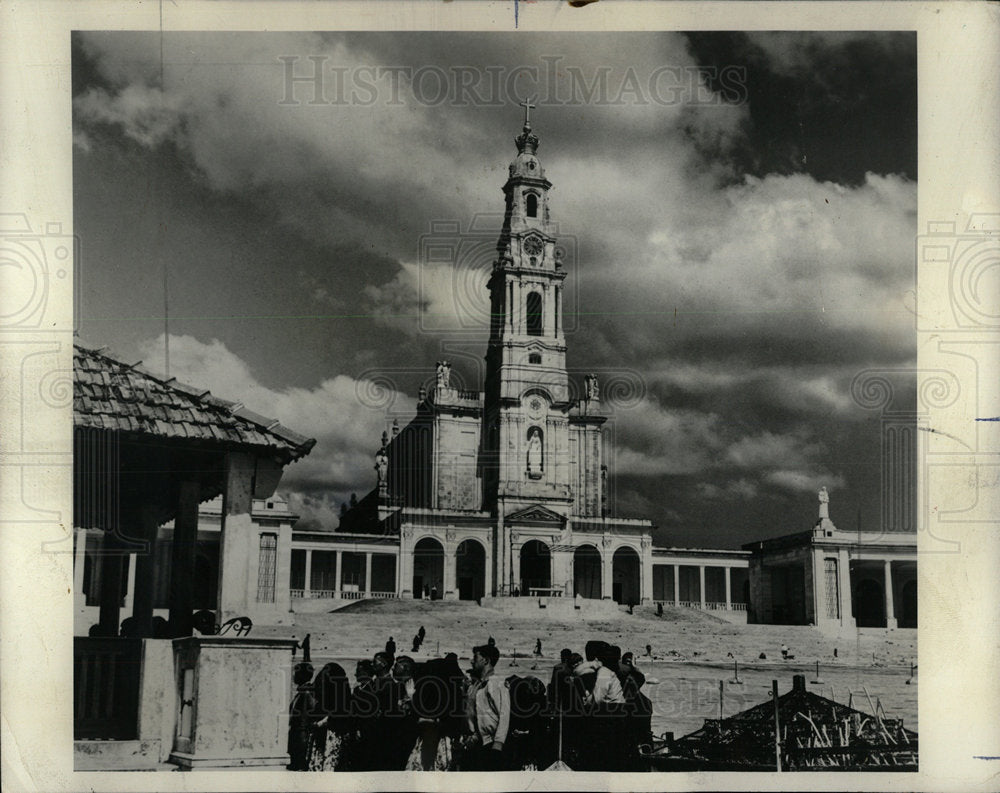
(536, 566)
(869, 603)
(470, 570)
(625, 576)
(907, 617)
(428, 569)
(587, 572)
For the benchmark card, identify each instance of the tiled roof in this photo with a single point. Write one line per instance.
(111, 395)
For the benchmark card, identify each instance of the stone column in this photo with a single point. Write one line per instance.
(405, 564)
(488, 571)
(548, 317)
(182, 560)
(338, 582)
(143, 573)
(307, 584)
(729, 588)
(449, 586)
(558, 311)
(844, 585)
(368, 572)
(607, 571)
(514, 578)
(397, 571)
(677, 584)
(647, 572)
(511, 306)
(701, 584)
(890, 606)
(236, 537)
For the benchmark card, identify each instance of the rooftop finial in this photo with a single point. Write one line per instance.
(527, 105)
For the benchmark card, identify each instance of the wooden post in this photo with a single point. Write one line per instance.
(777, 727)
(721, 699)
(182, 562)
(145, 573)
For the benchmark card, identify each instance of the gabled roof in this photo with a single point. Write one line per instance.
(535, 514)
(111, 395)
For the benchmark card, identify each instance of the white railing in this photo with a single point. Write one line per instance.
(333, 594)
(709, 605)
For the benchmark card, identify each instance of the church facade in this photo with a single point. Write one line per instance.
(504, 491)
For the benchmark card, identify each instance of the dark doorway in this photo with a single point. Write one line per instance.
(536, 566)
(428, 569)
(869, 603)
(625, 576)
(470, 569)
(587, 572)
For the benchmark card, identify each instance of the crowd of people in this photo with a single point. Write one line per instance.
(401, 715)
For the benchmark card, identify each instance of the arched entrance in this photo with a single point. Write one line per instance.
(587, 572)
(869, 603)
(536, 566)
(428, 569)
(907, 617)
(470, 570)
(625, 576)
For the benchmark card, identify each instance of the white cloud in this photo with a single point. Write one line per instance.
(345, 416)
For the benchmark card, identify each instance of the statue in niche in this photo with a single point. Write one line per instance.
(444, 374)
(592, 388)
(535, 453)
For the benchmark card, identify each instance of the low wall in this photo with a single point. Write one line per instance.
(561, 608)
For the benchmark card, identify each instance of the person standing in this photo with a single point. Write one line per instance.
(301, 715)
(488, 710)
(390, 648)
(334, 735)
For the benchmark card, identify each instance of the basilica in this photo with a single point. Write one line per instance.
(504, 491)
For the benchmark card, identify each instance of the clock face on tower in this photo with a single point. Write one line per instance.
(532, 246)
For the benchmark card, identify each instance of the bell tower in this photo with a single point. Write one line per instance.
(524, 441)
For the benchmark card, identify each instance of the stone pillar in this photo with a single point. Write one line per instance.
(368, 572)
(647, 571)
(307, 584)
(338, 582)
(677, 584)
(701, 584)
(729, 588)
(405, 566)
(515, 567)
(844, 573)
(558, 311)
(607, 571)
(890, 605)
(182, 560)
(237, 536)
(450, 584)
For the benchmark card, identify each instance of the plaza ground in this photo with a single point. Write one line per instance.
(691, 652)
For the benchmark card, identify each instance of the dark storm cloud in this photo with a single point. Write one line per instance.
(745, 251)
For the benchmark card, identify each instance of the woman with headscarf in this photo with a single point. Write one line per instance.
(438, 708)
(334, 733)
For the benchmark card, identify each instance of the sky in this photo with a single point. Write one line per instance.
(738, 213)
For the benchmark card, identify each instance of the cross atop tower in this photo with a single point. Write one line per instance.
(526, 104)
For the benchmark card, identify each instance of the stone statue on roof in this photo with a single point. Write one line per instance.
(444, 374)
